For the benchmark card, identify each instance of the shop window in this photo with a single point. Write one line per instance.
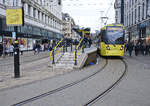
(59, 2)
(38, 14)
(29, 10)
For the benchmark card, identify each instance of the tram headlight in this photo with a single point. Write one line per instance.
(107, 47)
(121, 48)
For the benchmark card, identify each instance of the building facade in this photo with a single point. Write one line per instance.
(117, 7)
(68, 25)
(119, 11)
(137, 19)
(42, 18)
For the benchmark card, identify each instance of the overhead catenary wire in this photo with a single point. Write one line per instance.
(108, 10)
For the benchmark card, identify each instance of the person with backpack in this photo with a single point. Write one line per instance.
(130, 48)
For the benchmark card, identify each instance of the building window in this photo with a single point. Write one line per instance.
(139, 13)
(143, 11)
(116, 13)
(132, 17)
(34, 12)
(15, 2)
(42, 17)
(45, 19)
(38, 14)
(129, 19)
(3, 1)
(41, 2)
(29, 10)
(135, 16)
(59, 2)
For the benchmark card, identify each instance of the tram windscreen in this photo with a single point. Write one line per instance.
(114, 35)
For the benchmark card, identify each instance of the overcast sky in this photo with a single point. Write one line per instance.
(87, 13)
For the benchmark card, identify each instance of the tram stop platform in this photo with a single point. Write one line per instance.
(39, 70)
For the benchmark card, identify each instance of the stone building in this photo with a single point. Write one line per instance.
(119, 11)
(68, 25)
(43, 21)
(136, 19)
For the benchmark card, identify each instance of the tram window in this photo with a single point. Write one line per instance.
(103, 35)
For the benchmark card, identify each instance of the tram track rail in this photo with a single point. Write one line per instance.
(60, 88)
(110, 88)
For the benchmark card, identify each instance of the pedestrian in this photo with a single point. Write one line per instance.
(38, 48)
(11, 50)
(130, 48)
(34, 48)
(7, 50)
(21, 49)
(147, 49)
(143, 49)
(137, 48)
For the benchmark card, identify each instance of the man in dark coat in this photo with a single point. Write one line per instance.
(137, 48)
(130, 48)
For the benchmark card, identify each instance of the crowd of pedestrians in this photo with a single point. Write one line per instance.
(139, 47)
(6, 49)
(37, 47)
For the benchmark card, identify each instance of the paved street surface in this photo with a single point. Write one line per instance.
(81, 92)
(32, 68)
(134, 90)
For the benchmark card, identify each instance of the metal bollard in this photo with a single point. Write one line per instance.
(83, 50)
(71, 47)
(53, 57)
(66, 46)
(64, 49)
(75, 57)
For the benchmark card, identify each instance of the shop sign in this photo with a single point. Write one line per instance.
(14, 16)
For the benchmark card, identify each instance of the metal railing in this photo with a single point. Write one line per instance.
(77, 51)
(53, 55)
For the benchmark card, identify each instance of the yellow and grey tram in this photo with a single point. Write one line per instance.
(112, 40)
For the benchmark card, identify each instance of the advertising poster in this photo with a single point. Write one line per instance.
(23, 41)
(8, 40)
(30, 44)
